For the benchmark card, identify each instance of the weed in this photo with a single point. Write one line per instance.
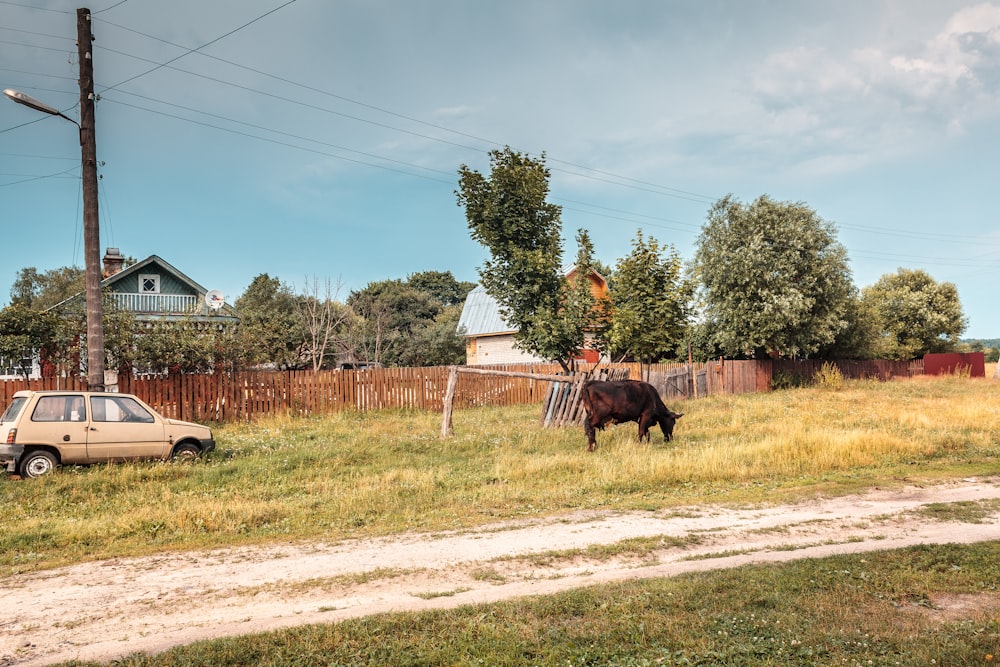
(829, 376)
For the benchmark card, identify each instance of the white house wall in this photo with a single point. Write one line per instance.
(484, 350)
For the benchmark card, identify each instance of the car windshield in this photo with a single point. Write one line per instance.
(15, 406)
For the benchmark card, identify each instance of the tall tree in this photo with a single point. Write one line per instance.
(915, 314)
(508, 214)
(647, 312)
(774, 279)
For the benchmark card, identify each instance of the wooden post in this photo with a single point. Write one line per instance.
(449, 400)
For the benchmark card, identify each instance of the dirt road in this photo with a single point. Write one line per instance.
(107, 609)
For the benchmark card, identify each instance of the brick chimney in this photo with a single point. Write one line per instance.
(113, 262)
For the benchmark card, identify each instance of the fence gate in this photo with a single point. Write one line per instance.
(673, 383)
(563, 406)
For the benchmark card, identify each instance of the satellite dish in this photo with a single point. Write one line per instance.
(214, 299)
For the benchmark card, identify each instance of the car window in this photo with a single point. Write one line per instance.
(59, 409)
(119, 409)
(15, 407)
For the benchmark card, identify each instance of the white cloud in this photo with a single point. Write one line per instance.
(882, 98)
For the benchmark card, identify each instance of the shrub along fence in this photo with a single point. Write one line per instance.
(223, 397)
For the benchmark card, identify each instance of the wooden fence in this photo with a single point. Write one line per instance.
(225, 397)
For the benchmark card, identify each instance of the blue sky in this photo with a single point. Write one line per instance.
(320, 139)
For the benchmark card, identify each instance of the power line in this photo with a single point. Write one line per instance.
(670, 191)
(612, 179)
(206, 44)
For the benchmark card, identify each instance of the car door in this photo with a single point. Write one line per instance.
(58, 420)
(122, 429)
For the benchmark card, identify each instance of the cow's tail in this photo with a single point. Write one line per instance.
(585, 397)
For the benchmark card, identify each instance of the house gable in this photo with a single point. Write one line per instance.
(168, 280)
(154, 290)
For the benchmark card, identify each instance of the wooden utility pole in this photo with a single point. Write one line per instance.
(91, 224)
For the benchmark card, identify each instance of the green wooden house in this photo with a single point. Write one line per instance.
(153, 290)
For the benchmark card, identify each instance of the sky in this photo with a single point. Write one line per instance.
(319, 141)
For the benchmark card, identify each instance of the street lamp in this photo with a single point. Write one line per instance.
(32, 103)
(91, 225)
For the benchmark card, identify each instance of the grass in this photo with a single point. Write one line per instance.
(364, 474)
(928, 605)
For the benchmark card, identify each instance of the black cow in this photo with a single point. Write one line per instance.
(625, 401)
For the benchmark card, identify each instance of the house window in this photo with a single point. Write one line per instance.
(149, 283)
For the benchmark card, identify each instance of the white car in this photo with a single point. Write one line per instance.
(46, 429)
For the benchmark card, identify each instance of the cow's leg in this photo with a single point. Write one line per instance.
(588, 428)
(645, 421)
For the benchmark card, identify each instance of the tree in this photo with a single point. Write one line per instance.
(915, 314)
(647, 314)
(442, 286)
(271, 321)
(392, 311)
(175, 347)
(508, 214)
(437, 342)
(40, 291)
(774, 279)
(859, 339)
(24, 334)
(325, 321)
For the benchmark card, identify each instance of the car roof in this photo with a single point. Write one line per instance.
(63, 392)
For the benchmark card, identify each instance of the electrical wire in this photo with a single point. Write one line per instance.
(613, 179)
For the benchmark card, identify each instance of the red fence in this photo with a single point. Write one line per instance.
(224, 397)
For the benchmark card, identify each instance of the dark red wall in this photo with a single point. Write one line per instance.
(945, 364)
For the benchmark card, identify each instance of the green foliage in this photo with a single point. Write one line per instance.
(860, 338)
(411, 323)
(914, 314)
(40, 291)
(441, 286)
(271, 324)
(25, 332)
(787, 380)
(646, 316)
(775, 280)
(175, 347)
(508, 214)
(436, 342)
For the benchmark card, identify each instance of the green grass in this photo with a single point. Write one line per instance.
(364, 474)
(882, 608)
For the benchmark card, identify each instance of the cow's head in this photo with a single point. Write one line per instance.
(667, 424)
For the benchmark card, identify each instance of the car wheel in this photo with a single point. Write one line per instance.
(37, 463)
(186, 452)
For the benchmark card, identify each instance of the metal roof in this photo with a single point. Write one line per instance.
(481, 315)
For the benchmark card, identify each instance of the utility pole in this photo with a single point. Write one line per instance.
(91, 224)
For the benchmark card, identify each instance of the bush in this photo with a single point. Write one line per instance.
(787, 380)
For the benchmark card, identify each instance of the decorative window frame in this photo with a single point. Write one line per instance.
(149, 283)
